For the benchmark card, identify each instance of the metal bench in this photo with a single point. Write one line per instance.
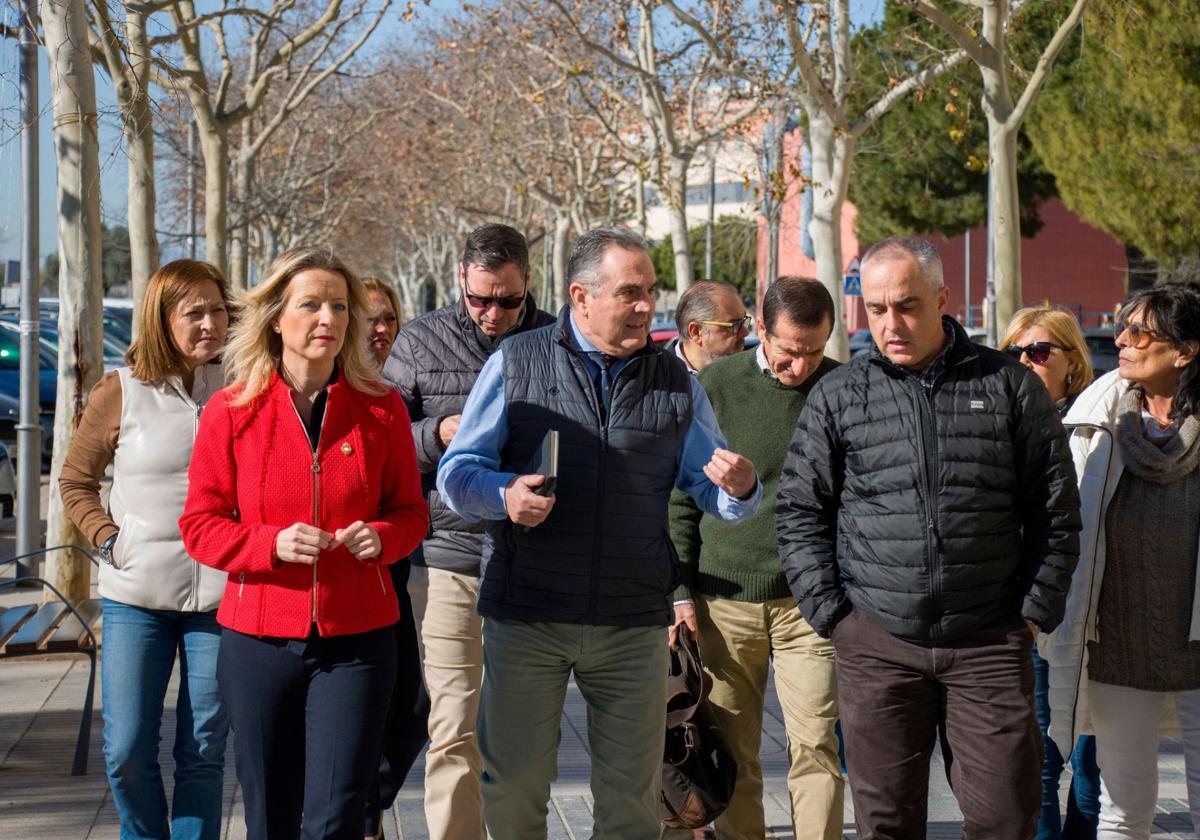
(55, 627)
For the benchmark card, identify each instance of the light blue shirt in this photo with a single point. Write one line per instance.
(469, 476)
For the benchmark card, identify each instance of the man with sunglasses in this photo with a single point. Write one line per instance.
(928, 521)
(434, 364)
(712, 323)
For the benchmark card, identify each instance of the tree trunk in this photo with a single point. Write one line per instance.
(832, 153)
(677, 216)
(1006, 222)
(139, 140)
(562, 229)
(80, 363)
(242, 171)
(215, 149)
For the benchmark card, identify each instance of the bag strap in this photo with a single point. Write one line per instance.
(691, 679)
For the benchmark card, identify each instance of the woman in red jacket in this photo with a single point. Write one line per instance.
(303, 485)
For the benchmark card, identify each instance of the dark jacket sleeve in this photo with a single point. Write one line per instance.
(806, 514)
(401, 371)
(1049, 504)
(685, 534)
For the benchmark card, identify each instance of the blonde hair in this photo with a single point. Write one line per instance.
(153, 355)
(255, 348)
(377, 284)
(1064, 331)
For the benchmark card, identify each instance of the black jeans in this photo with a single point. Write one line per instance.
(307, 717)
(893, 695)
(406, 732)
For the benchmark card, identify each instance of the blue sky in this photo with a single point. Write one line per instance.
(112, 160)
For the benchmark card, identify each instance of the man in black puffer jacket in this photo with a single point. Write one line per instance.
(928, 521)
(434, 363)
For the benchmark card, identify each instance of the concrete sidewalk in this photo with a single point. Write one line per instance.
(41, 701)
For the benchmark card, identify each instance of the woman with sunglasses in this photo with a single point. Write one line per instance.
(1050, 343)
(1126, 659)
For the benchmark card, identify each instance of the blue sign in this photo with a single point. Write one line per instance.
(853, 285)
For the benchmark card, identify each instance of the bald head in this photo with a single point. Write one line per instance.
(711, 321)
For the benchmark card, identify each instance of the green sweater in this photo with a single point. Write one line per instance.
(757, 414)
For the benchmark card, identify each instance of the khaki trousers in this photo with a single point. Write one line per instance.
(622, 674)
(450, 635)
(737, 642)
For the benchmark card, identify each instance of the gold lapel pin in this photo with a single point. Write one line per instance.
(347, 449)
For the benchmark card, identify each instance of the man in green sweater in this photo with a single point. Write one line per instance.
(735, 597)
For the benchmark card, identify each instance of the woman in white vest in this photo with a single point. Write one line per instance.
(159, 604)
(1125, 662)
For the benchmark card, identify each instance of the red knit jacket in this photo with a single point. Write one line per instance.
(253, 474)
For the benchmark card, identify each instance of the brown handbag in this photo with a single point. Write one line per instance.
(698, 770)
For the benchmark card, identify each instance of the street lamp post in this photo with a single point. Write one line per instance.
(29, 427)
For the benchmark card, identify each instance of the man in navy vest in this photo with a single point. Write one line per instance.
(580, 582)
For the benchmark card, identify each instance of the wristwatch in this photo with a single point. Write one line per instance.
(105, 549)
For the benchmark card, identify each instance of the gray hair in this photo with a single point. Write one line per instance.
(699, 303)
(583, 266)
(899, 247)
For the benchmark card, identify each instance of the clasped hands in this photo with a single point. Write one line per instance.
(302, 543)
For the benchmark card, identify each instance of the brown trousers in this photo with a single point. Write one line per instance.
(893, 696)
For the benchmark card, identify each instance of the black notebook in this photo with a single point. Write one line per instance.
(545, 462)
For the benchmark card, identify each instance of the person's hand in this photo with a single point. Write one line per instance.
(1032, 628)
(360, 539)
(301, 543)
(732, 473)
(685, 614)
(523, 505)
(448, 428)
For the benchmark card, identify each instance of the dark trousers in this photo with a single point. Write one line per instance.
(405, 734)
(894, 694)
(307, 717)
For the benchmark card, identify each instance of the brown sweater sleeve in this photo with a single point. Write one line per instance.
(91, 451)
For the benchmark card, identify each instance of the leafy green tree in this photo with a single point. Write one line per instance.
(1120, 129)
(735, 254)
(923, 169)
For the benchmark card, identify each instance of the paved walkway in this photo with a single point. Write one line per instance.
(41, 699)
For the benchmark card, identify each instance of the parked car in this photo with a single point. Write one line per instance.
(860, 342)
(1102, 345)
(661, 334)
(113, 348)
(10, 385)
(8, 484)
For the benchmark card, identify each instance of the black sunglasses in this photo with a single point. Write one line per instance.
(1038, 352)
(486, 302)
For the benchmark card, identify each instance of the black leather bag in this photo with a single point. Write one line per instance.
(698, 771)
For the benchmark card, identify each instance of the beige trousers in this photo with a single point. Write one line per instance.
(737, 642)
(450, 634)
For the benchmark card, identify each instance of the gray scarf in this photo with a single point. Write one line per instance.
(1165, 464)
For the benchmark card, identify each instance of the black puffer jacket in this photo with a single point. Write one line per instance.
(434, 362)
(935, 514)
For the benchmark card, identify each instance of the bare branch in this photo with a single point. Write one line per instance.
(1041, 71)
(981, 52)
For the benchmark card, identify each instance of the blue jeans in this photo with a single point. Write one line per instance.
(1083, 799)
(138, 654)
